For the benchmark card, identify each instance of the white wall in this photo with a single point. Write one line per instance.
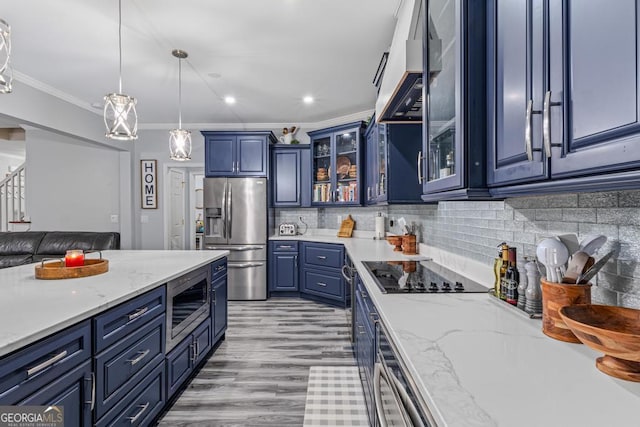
(71, 185)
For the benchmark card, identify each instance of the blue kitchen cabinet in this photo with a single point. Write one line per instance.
(452, 164)
(70, 392)
(365, 345)
(321, 276)
(391, 153)
(236, 153)
(184, 358)
(290, 176)
(337, 165)
(283, 267)
(219, 308)
(564, 96)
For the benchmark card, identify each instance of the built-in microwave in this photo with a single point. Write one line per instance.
(188, 304)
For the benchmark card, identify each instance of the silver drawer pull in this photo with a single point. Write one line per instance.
(141, 355)
(285, 247)
(322, 257)
(140, 412)
(220, 268)
(139, 312)
(322, 284)
(44, 365)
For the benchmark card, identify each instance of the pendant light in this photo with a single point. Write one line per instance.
(180, 139)
(6, 73)
(120, 115)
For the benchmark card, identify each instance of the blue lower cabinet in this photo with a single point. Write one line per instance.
(185, 357)
(141, 405)
(125, 364)
(324, 284)
(219, 308)
(365, 345)
(283, 267)
(70, 392)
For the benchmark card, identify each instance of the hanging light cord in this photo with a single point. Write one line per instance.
(179, 93)
(120, 43)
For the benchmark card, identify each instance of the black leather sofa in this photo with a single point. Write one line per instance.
(25, 247)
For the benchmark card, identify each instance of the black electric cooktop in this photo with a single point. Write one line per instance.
(394, 277)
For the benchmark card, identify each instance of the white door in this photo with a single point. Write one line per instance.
(177, 203)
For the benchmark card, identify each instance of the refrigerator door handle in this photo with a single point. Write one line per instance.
(236, 248)
(224, 211)
(230, 216)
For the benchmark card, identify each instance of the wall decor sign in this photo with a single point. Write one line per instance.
(149, 184)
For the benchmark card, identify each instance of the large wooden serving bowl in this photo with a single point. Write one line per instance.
(614, 331)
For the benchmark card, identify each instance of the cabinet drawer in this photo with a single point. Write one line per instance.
(120, 321)
(28, 370)
(323, 255)
(141, 405)
(124, 364)
(362, 296)
(323, 284)
(218, 268)
(284, 246)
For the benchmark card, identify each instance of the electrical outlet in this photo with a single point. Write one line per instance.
(144, 219)
(339, 220)
(115, 219)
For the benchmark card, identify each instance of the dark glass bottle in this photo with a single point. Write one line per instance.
(512, 279)
(503, 269)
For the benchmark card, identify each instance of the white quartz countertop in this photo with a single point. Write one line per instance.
(479, 362)
(31, 309)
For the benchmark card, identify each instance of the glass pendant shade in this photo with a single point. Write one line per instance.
(120, 117)
(180, 144)
(6, 73)
(180, 139)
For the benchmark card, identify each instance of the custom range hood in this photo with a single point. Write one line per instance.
(399, 76)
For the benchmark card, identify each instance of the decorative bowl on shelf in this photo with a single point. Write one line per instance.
(395, 241)
(612, 330)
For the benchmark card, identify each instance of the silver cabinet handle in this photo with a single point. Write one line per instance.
(230, 216)
(295, 260)
(528, 131)
(324, 285)
(360, 329)
(213, 296)
(193, 352)
(347, 276)
(140, 412)
(368, 193)
(285, 247)
(420, 157)
(321, 257)
(44, 365)
(92, 402)
(141, 355)
(546, 123)
(139, 312)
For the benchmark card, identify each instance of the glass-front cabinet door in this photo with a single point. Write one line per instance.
(454, 117)
(381, 163)
(337, 165)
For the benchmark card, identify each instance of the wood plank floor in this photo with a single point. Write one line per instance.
(259, 375)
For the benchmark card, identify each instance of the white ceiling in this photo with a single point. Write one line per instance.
(266, 53)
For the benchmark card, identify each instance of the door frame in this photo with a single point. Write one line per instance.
(189, 170)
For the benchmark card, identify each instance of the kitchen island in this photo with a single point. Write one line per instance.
(31, 309)
(479, 362)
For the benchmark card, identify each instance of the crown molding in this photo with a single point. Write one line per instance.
(362, 115)
(50, 90)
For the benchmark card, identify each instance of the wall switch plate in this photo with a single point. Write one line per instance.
(115, 219)
(144, 219)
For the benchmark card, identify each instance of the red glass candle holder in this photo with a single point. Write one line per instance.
(74, 258)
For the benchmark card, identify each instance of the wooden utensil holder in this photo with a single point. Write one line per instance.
(409, 245)
(554, 297)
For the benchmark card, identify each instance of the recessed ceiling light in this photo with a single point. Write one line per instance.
(229, 100)
(308, 99)
(214, 75)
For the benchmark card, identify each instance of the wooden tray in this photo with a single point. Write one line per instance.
(346, 228)
(56, 269)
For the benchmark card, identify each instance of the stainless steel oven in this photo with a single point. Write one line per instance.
(187, 304)
(397, 402)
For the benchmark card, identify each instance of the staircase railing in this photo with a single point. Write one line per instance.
(12, 206)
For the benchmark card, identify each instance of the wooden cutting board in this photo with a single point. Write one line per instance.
(346, 228)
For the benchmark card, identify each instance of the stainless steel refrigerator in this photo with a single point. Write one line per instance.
(235, 212)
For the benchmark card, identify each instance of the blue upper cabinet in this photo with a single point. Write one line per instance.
(290, 176)
(391, 168)
(236, 153)
(452, 165)
(336, 165)
(565, 95)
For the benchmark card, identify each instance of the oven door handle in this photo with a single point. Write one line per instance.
(381, 372)
(408, 405)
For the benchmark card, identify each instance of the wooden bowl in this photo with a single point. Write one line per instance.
(614, 331)
(396, 241)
